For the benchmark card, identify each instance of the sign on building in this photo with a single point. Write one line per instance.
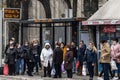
(12, 13)
(109, 29)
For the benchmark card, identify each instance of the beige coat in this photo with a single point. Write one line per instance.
(105, 53)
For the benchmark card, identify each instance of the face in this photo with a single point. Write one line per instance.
(90, 45)
(62, 45)
(114, 42)
(26, 43)
(47, 46)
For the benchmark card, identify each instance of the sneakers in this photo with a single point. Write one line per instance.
(115, 78)
(99, 78)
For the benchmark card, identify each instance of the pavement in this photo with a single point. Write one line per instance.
(38, 77)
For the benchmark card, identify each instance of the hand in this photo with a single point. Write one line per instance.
(30, 60)
(93, 64)
(84, 62)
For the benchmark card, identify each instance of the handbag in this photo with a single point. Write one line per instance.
(113, 65)
(77, 64)
(5, 70)
(6, 60)
(62, 67)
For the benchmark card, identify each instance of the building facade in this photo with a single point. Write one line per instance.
(44, 9)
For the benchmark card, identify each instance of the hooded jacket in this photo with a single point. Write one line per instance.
(46, 56)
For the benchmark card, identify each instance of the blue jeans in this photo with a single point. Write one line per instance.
(20, 65)
(118, 71)
(106, 70)
(74, 65)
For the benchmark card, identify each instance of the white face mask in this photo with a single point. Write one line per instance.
(11, 42)
(62, 46)
(67, 49)
(114, 42)
(34, 44)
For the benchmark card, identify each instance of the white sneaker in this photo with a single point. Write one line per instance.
(115, 78)
(99, 78)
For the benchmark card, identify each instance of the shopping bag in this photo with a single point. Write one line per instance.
(84, 70)
(62, 68)
(77, 64)
(5, 70)
(113, 65)
(53, 72)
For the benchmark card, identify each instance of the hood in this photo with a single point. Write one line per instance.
(47, 44)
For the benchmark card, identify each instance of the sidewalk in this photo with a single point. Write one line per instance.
(38, 77)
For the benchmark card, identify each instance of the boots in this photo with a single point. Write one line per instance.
(80, 70)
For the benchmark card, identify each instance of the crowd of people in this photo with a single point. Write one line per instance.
(31, 57)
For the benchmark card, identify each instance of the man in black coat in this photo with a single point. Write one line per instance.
(57, 60)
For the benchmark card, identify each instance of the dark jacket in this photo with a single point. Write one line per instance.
(90, 56)
(19, 53)
(68, 60)
(81, 53)
(11, 55)
(58, 56)
(36, 50)
(28, 53)
(74, 51)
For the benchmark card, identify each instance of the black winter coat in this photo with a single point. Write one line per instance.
(11, 55)
(27, 53)
(58, 56)
(36, 50)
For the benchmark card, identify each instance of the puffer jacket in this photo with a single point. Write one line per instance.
(105, 54)
(115, 52)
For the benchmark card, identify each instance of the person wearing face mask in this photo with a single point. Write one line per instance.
(73, 48)
(91, 59)
(115, 54)
(57, 60)
(36, 49)
(7, 46)
(46, 59)
(19, 59)
(68, 61)
(105, 58)
(11, 55)
(63, 47)
(28, 58)
(80, 56)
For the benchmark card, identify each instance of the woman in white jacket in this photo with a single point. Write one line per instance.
(46, 59)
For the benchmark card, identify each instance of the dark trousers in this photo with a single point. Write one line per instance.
(90, 69)
(69, 73)
(30, 67)
(112, 75)
(36, 65)
(11, 68)
(25, 63)
(47, 70)
(58, 70)
(106, 70)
